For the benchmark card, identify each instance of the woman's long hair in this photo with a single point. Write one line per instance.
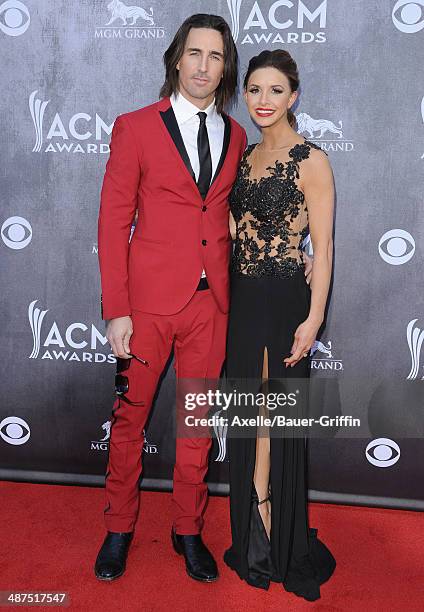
(282, 61)
(228, 85)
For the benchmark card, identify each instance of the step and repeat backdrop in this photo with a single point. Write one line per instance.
(69, 68)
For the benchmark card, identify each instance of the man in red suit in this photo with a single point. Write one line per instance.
(173, 163)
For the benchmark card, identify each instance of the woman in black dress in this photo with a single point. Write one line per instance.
(283, 191)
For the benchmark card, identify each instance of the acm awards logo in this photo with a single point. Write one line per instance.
(77, 342)
(103, 443)
(327, 134)
(220, 432)
(80, 133)
(14, 18)
(278, 22)
(408, 17)
(134, 22)
(325, 359)
(415, 339)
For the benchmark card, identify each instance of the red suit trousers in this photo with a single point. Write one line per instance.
(198, 335)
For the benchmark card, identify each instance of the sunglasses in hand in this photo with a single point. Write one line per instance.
(121, 382)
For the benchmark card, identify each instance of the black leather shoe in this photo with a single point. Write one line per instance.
(112, 557)
(200, 564)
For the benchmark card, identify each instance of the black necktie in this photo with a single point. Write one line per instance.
(205, 160)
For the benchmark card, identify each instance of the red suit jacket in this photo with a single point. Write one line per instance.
(177, 233)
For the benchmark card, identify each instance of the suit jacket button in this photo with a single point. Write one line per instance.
(204, 242)
(204, 208)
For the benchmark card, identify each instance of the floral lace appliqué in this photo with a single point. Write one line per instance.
(271, 217)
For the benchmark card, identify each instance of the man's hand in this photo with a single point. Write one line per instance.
(309, 263)
(118, 333)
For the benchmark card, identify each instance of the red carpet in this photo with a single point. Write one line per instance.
(50, 537)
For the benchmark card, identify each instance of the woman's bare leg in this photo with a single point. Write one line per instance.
(262, 464)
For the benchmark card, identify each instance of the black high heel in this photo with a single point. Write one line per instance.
(259, 550)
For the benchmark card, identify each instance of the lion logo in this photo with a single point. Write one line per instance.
(106, 428)
(305, 123)
(319, 346)
(120, 11)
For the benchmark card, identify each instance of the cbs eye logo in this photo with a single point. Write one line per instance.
(396, 247)
(382, 452)
(409, 18)
(16, 232)
(14, 18)
(14, 430)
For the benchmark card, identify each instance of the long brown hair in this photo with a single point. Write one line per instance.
(227, 88)
(282, 61)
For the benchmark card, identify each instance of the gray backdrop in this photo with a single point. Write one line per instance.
(68, 69)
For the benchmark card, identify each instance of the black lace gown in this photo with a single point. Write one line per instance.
(269, 299)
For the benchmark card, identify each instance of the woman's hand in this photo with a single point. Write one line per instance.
(304, 338)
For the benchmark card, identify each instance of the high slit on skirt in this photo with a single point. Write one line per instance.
(265, 312)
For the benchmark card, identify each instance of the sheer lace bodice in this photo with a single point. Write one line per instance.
(271, 216)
